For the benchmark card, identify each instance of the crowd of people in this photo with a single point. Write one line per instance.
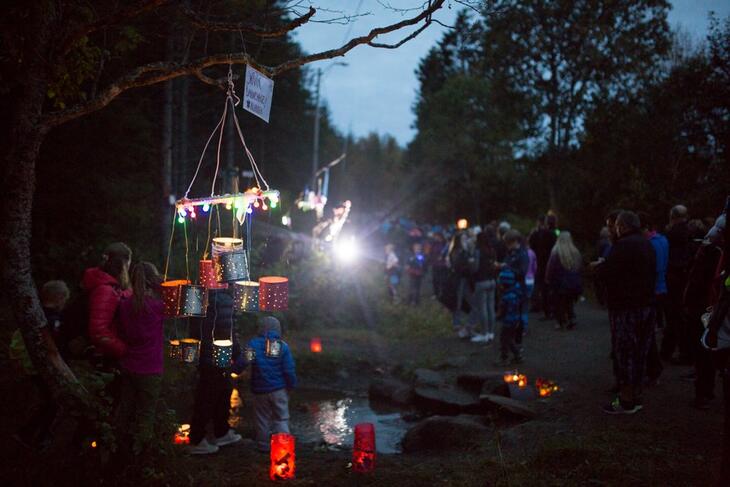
(655, 280)
(116, 323)
(490, 274)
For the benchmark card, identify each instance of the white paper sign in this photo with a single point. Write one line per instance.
(258, 93)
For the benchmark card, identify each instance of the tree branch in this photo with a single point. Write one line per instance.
(111, 19)
(157, 72)
(402, 41)
(200, 22)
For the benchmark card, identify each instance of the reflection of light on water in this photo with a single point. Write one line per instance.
(331, 417)
(234, 418)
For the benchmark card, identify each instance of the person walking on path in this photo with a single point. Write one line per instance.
(563, 276)
(542, 242)
(484, 285)
(629, 273)
(678, 237)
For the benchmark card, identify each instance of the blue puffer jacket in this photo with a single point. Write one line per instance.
(269, 374)
(217, 325)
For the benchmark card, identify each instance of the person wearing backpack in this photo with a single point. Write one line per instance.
(563, 275)
(105, 286)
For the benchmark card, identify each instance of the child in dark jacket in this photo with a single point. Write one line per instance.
(213, 394)
(141, 320)
(512, 297)
(272, 376)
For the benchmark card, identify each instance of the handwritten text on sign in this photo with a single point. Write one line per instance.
(258, 93)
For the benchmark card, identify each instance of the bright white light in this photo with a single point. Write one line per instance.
(285, 220)
(346, 249)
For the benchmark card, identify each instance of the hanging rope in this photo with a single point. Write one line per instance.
(187, 263)
(169, 245)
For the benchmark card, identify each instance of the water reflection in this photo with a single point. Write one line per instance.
(333, 421)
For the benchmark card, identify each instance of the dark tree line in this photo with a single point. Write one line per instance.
(579, 107)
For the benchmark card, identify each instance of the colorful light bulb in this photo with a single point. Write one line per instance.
(249, 210)
(256, 204)
(181, 219)
(206, 207)
(228, 206)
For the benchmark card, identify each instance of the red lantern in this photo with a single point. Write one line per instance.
(273, 293)
(206, 275)
(363, 452)
(315, 345)
(182, 435)
(282, 456)
(171, 296)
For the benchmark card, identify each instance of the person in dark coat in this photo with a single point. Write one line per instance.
(679, 258)
(542, 242)
(629, 273)
(213, 394)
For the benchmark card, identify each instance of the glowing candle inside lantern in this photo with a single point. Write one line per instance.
(315, 345)
(363, 452)
(462, 224)
(282, 457)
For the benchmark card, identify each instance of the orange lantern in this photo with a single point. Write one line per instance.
(363, 451)
(207, 277)
(171, 296)
(182, 435)
(546, 387)
(515, 378)
(315, 345)
(273, 293)
(282, 456)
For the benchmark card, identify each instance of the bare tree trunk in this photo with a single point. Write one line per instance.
(18, 186)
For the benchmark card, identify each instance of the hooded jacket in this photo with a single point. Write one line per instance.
(104, 293)
(269, 374)
(629, 273)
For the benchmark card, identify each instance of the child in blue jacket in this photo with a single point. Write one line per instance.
(272, 376)
(512, 296)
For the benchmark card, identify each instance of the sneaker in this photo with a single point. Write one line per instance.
(202, 448)
(463, 333)
(477, 338)
(229, 438)
(619, 407)
(491, 336)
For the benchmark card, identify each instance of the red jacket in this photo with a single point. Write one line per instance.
(104, 296)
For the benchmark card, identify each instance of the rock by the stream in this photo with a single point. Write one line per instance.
(453, 363)
(447, 400)
(441, 433)
(484, 382)
(391, 390)
(429, 378)
(513, 406)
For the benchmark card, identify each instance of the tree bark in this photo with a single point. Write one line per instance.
(18, 187)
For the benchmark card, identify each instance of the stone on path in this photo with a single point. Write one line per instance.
(391, 390)
(440, 433)
(427, 377)
(446, 399)
(518, 408)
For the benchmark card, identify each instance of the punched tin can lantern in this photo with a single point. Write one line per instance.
(363, 451)
(222, 353)
(222, 245)
(190, 347)
(273, 293)
(231, 266)
(283, 456)
(246, 295)
(206, 275)
(174, 351)
(193, 301)
(171, 296)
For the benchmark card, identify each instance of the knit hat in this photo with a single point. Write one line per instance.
(269, 323)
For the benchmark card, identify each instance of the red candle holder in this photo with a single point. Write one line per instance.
(207, 277)
(283, 456)
(273, 293)
(363, 451)
(171, 296)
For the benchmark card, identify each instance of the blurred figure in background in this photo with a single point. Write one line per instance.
(563, 276)
(678, 236)
(392, 272)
